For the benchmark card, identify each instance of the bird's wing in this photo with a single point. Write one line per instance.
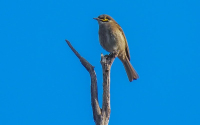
(127, 49)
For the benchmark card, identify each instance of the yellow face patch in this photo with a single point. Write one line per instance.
(104, 20)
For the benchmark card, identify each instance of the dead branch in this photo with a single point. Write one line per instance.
(101, 116)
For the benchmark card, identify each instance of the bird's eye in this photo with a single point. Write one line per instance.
(105, 19)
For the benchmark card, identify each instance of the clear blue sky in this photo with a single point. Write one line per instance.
(43, 83)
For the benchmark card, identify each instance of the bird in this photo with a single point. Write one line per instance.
(112, 39)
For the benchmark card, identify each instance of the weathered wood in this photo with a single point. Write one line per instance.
(101, 116)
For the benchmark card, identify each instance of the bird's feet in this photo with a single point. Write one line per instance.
(114, 54)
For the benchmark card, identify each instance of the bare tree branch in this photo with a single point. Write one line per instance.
(106, 62)
(101, 116)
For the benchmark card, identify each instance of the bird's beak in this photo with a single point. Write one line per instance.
(96, 18)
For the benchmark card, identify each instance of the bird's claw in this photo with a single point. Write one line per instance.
(114, 54)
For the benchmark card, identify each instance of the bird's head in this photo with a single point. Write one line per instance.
(102, 19)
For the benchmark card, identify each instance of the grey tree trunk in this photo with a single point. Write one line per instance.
(101, 115)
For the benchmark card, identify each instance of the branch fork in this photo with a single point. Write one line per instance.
(101, 115)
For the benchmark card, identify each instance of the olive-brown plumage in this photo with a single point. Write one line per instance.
(112, 39)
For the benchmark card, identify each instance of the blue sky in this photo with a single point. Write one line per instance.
(43, 83)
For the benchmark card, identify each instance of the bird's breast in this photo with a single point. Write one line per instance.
(111, 39)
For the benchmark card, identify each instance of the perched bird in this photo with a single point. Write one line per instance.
(112, 39)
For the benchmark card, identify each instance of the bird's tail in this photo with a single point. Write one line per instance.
(130, 71)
